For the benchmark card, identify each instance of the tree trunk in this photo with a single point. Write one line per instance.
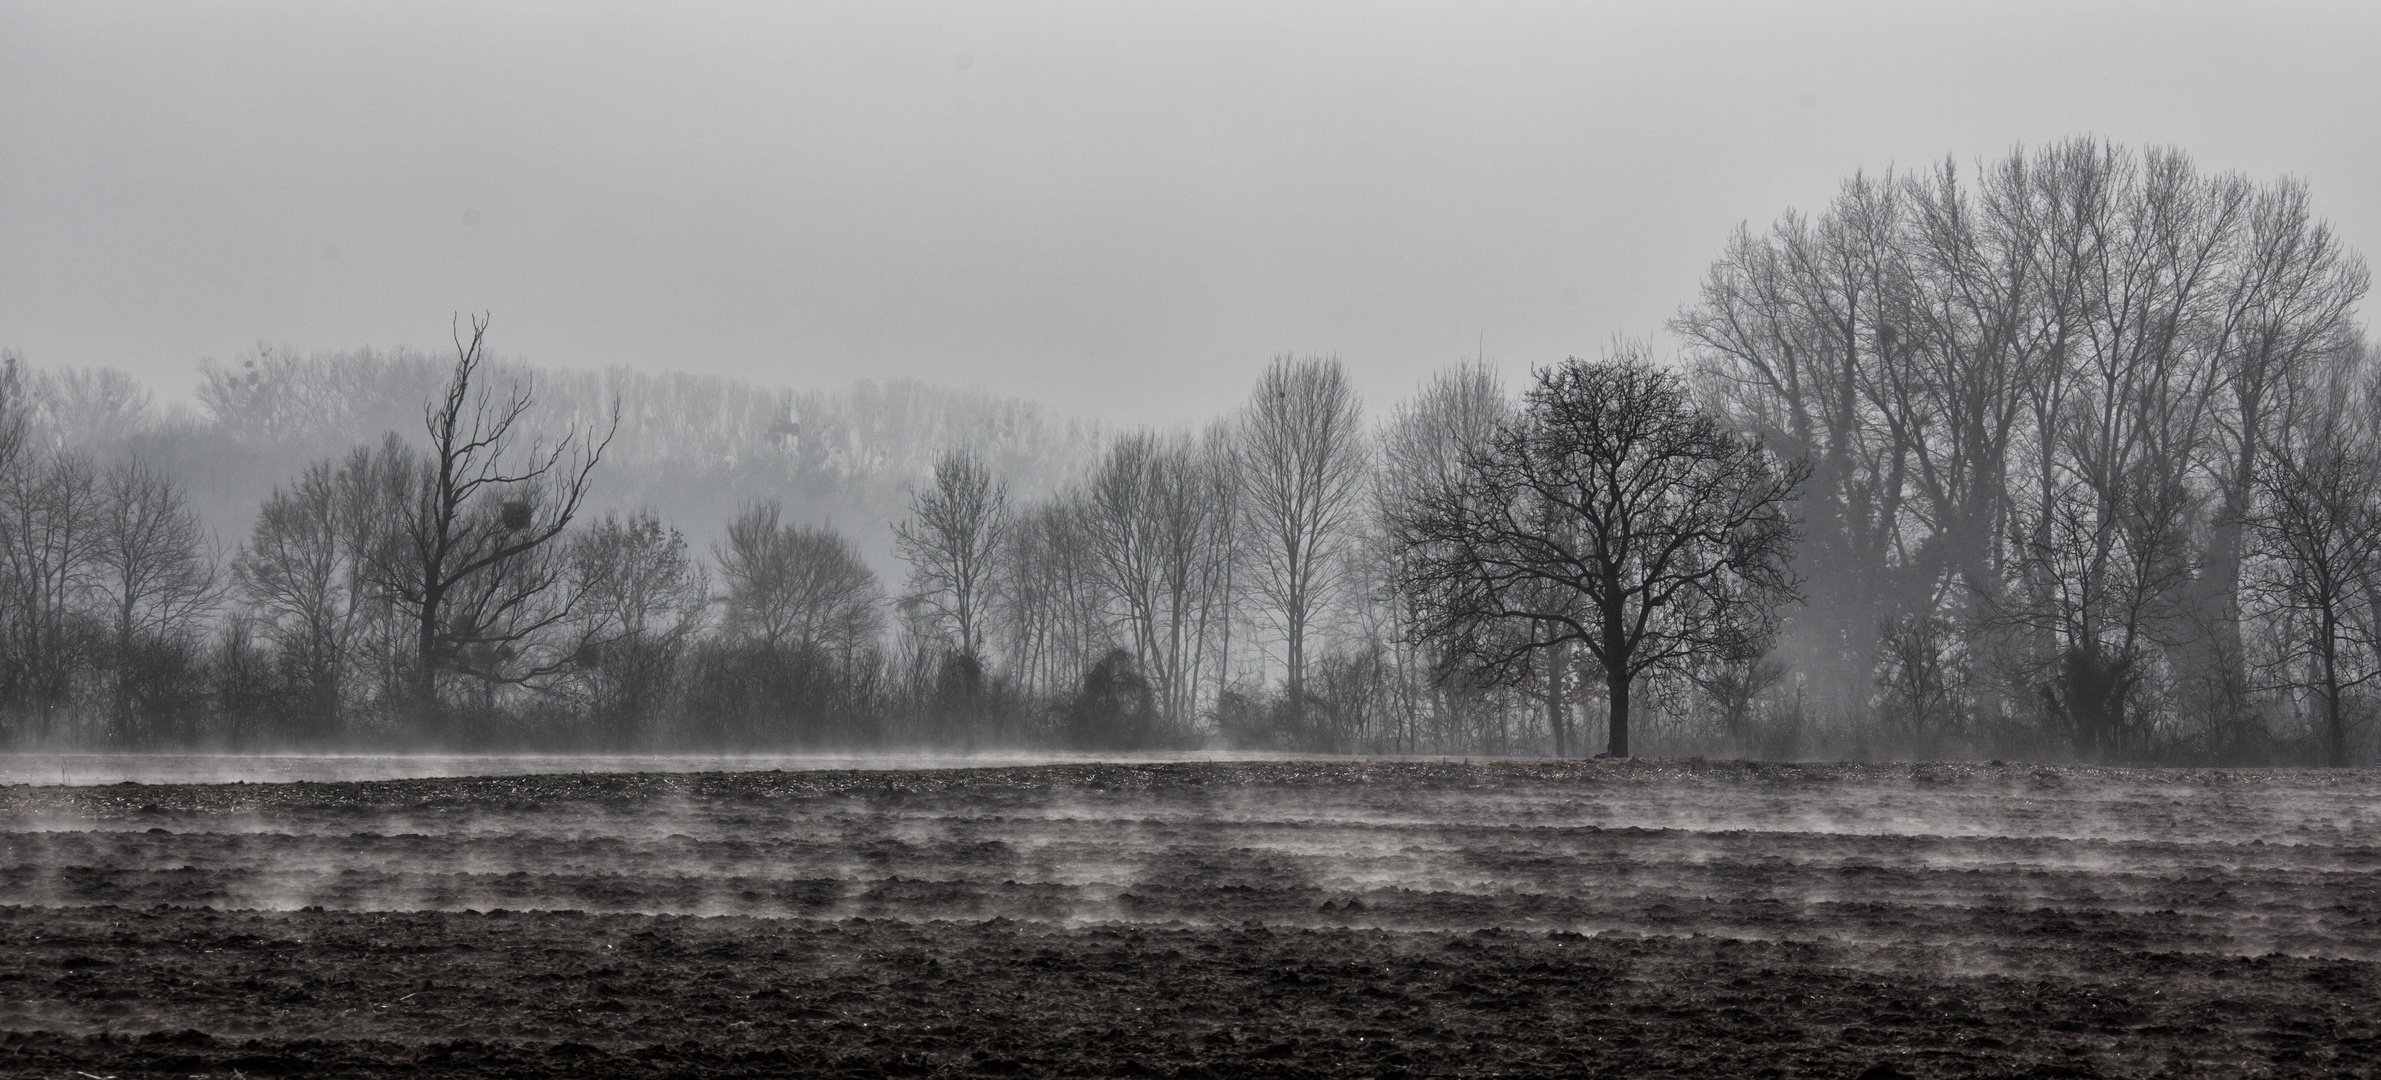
(425, 672)
(125, 727)
(2335, 726)
(1554, 701)
(1616, 683)
(1295, 677)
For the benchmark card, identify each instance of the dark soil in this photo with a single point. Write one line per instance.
(1714, 919)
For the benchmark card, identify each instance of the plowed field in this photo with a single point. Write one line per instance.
(1641, 918)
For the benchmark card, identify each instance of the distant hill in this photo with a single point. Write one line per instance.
(694, 448)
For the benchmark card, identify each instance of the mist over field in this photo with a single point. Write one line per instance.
(1333, 917)
(1823, 539)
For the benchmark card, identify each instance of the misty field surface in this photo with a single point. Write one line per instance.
(1249, 918)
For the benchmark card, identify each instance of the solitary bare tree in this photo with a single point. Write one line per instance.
(469, 565)
(1615, 514)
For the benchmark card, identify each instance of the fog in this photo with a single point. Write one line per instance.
(696, 531)
(83, 770)
(1119, 211)
(1887, 861)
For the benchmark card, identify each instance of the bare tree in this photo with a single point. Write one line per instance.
(2289, 293)
(290, 572)
(951, 542)
(1302, 462)
(1794, 333)
(2318, 528)
(96, 409)
(377, 490)
(22, 571)
(13, 409)
(153, 567)
(1922, 683)
(1615, 514)
(2038, 403)
(1733, 682)
(470, 566)
(2105, 546)
(635, 581)
(1219, 573)
(1153, 517)
(1050, 607)
(1423, 450)
(15, 461)
(51, 504)
(793, 587)
(308, 572)
(641, 599)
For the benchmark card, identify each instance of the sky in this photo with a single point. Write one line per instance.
(1121, 209)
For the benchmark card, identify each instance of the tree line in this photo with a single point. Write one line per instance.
(2077, 457)
(2092, 438)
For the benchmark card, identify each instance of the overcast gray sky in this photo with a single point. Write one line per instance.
(1119, 208)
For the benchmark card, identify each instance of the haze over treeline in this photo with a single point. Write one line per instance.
(2081, 448)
